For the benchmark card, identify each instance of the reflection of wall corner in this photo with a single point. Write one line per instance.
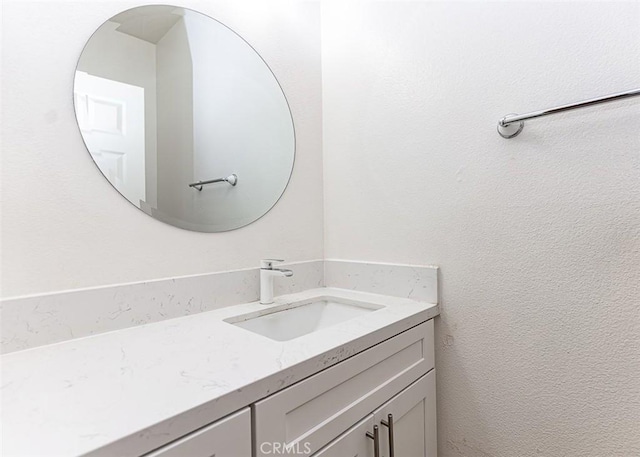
(144, 206)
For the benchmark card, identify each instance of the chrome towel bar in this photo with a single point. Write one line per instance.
(231, 179)
(512, 124)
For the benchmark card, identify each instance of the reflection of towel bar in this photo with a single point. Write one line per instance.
(231, 179)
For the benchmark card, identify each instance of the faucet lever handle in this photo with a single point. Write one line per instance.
(268, 263)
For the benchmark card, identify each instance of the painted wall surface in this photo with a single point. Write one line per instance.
(537, 237)
(175, 95)
(65, 227)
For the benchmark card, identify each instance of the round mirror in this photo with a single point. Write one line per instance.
(184, 118)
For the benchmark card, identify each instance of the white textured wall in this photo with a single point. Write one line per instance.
(65, 227)
(537, 237)
(175, 99)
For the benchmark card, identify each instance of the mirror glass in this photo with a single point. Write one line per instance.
(167, 98)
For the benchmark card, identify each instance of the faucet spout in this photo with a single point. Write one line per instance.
(267, 273)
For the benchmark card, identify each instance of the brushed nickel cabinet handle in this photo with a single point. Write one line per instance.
(375, 436)
(389, 424)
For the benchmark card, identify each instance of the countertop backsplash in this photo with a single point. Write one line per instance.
(50, 318)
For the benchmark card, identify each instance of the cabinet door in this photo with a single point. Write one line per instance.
(322, 407)
(353, 443)
(414, 420)
(229, 437)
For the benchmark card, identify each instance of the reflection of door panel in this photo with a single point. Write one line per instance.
(111, 118)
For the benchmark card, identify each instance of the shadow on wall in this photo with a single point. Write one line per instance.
(445, 347)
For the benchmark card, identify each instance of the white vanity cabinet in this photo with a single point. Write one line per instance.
(412, 424)
(234, 393)
(228, 437)
(334, 413)
(328, 414)
(353, 443)
(413, 419)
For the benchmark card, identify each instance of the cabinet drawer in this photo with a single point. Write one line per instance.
(318, 409)
(229, 437)
(353, 443)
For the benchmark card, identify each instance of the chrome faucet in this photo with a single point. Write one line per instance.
(267, 273)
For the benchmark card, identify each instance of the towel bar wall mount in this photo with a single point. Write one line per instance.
(512, 124)
(231, 179)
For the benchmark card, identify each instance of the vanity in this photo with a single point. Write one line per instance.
(190, 125)
(246, 380)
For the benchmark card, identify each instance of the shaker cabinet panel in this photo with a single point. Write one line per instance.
(413, 420)
(354, 442)
(229, 437)
(321, 407)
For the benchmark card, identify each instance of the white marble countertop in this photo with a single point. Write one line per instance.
(130, 391)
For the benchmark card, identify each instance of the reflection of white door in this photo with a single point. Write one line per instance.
(111, 118)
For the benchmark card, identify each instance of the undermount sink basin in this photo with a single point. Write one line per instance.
(286, 322)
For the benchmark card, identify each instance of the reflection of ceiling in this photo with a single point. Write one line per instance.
(148, 24)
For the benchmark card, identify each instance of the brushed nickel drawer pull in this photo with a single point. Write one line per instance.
(389, 424)
(375, 436)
